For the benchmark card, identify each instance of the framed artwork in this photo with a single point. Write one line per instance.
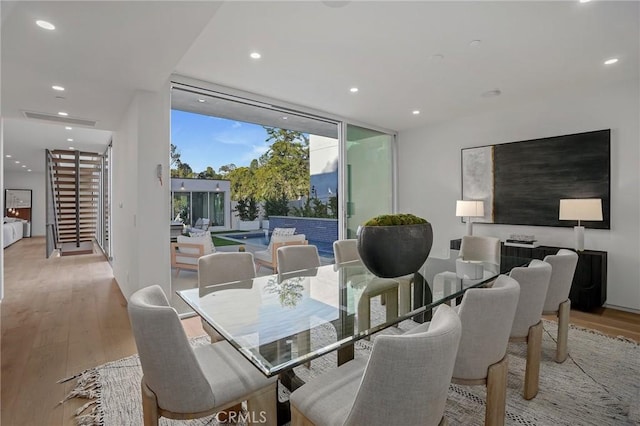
(521, 183)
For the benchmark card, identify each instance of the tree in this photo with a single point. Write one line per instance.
(209, 173)
(247, 209)
(284, 168)
(183, 170)
(175, 156)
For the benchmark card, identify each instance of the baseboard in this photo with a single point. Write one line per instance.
(622, 308)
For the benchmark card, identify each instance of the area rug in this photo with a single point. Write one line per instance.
(599, 384)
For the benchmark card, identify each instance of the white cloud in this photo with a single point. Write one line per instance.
(236, 124)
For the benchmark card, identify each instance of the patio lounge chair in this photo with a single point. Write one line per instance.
(187, 250)
(269, 257)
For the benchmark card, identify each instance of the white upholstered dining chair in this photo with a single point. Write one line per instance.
(297, 257)
(557, 302)
(487, 317)
(347, 251)
(184, 382)
(220, 268)
(389, 289)
(527, 324)
(404, 382)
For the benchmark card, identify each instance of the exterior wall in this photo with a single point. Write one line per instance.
(323, 230)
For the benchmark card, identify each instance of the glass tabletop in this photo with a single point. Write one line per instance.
(281, 321)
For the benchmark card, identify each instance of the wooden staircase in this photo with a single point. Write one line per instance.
(75, 178)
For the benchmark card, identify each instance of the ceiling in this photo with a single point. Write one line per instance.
(312, 54)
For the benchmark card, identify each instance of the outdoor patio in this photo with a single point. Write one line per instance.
(189, 279)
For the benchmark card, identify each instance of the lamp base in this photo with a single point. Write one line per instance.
(469, 227)
(578, 233)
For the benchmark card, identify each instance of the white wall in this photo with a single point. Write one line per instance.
(140, 203)
(430, 182)
(36, 183)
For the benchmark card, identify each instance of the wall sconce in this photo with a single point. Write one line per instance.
(470, 209)
(580, 209)
(217, 187)
(182, 186)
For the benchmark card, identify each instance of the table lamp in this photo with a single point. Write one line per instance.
(469, 209)
(580, 209)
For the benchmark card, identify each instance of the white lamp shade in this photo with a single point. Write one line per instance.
(581, 209)
(469, 208)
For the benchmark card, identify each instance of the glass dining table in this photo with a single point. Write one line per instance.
(271, 319)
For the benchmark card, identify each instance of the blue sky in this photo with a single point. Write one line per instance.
(211, 141)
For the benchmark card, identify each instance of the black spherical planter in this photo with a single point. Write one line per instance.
(394, 251)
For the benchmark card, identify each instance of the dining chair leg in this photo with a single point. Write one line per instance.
(532, 369)
(496, 393)
(150, 413)
(563, 331)
(262, 406)
(364, 313)
(443, 421)
(303, 339)
(404, 296)
(392, 304)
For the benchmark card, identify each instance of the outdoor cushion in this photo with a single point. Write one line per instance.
(205, 240)
(284, 234)
(283, 231)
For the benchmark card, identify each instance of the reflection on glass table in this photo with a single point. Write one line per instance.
(267, 319)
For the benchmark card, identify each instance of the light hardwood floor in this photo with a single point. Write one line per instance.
(66, 314)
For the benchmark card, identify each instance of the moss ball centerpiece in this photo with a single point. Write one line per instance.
(394, 245)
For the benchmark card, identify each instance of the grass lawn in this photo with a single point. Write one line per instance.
(220, 242)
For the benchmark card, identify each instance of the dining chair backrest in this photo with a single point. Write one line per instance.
(418, 364)
(484, 249)
(563, 266)
(487, 317)
(169, 365)
(298, 257)
(224, 267)
(345, 250)
(534, 282)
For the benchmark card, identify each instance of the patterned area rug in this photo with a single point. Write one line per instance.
(599, 384)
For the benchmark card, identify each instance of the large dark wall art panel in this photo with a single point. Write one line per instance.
(522, 182)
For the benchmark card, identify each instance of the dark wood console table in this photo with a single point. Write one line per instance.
(589, 287)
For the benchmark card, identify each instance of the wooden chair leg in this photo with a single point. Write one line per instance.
(532, 369)
(150, 412)
(299, 419)
(303, 340)
(392, 304)
(364, 313)
(496, 393)
(262, 406)
(223, 416)
(563, 331)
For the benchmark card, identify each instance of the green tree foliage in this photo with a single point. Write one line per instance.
(284, 168)
(209, 173)
(276, 206)
(247, 209)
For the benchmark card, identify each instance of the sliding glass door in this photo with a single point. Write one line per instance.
(369, 176)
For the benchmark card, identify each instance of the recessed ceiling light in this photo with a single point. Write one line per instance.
(24, 165)
(255, 55)
(353, 89)
(202, 100)
(611, 61)
(71, 147)
(28, 170)
(69, 140)
(491, 93)
(585, 1)
(17, 162)
(8, 155)
(437, 57)
(285, 117)
(62, 113)
(474, 43)
(46, 25)
(68, 128)
(415, 112)
(58, 88)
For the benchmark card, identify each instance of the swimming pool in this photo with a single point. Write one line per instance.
(258, 239)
